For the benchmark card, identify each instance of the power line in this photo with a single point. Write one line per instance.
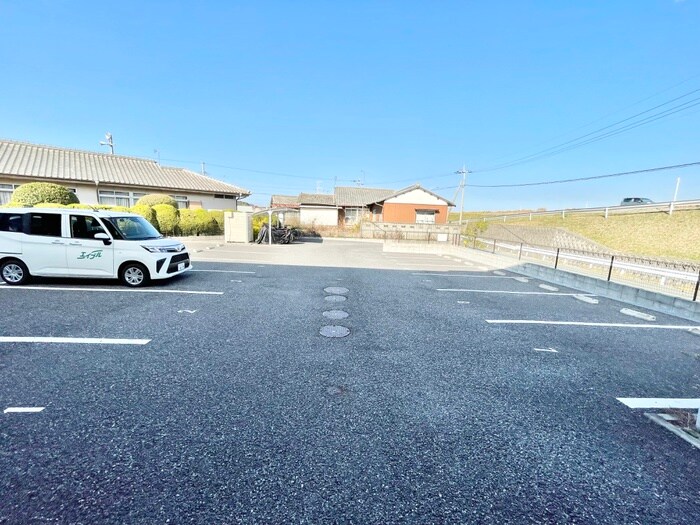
(596, 135)
(612, 113)
(578, 179)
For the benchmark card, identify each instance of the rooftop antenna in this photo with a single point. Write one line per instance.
(109, 142)
(157, 154)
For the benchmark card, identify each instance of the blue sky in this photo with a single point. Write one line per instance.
(304, 95)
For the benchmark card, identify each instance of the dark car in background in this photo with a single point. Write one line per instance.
(635, 201)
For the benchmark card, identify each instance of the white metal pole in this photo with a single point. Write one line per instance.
(269, 226)
(675, 196)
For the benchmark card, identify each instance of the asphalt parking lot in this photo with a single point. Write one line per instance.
(215, 398)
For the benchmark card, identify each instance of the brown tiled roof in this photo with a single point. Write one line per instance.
(287, 201)
(20, 159)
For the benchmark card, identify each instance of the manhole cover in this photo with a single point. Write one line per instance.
(336, 290)
(335, 314)
(334, 331)
(335, 298)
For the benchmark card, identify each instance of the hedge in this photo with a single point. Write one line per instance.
(167, 217)
(42, 192)
(147, 213)
(198, 222)
(156, 198)
(48, 205)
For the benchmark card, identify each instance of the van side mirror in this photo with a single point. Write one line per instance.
(104, 238)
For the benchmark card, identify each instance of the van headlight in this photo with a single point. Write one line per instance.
(155, 249)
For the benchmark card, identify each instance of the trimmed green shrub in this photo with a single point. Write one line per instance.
(39, 192)
(111, 207)
(147, 213)
(167, 217)
(218, 216)
(157, 198)
(198, 222)
(48, 205)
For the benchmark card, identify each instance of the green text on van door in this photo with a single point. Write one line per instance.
(90, 255)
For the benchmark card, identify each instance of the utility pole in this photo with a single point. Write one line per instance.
(463, 172)
(109, 142)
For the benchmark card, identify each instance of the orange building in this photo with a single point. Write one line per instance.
(412, 205)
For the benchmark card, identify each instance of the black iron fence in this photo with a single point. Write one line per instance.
(679, 279)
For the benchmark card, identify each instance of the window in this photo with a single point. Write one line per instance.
(115, 198)
(425, 216)
(220, 196)
(353, 215)
(48, 224)
(181, 200)
(6, 191)
(84, 227)
(10, 222)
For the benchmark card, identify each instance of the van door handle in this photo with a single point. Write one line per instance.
(76, 243)
(58, 242)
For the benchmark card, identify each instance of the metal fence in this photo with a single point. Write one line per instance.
(656, 207)
(677, 279)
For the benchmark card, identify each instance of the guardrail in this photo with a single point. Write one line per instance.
(677, 279)
(655, 207)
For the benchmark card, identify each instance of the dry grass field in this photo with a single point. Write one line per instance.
(658, 234)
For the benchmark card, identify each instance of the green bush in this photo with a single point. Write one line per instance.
(156, 198)
(198, 222)
(147, 213)
(39, 192)
(48, 205)
(218, 216)
(111, 207)
(258, 221)
(167, 217)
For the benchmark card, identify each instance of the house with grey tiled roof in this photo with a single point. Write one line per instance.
(318, 209)
(102, 178)
(357, 203)
(349, 205)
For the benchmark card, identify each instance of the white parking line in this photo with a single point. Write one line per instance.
(75, 340)
(505, 292)
(659, 402)
(548, 287)
(115, 290)
(22, 410)
(578, 323)
(471, 276)
(221, 271)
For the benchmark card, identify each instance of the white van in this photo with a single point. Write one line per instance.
(64, 242)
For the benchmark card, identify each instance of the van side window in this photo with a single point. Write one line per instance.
(48, 224)
(84, 227)
(10, 222)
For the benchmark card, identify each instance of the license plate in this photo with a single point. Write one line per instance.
(180, 267)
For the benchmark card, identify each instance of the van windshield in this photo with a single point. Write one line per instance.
(131, 228)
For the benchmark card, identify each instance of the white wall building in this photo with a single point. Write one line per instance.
(102, 178)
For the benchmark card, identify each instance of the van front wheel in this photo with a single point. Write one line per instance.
(14, 271)
(134, 275)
